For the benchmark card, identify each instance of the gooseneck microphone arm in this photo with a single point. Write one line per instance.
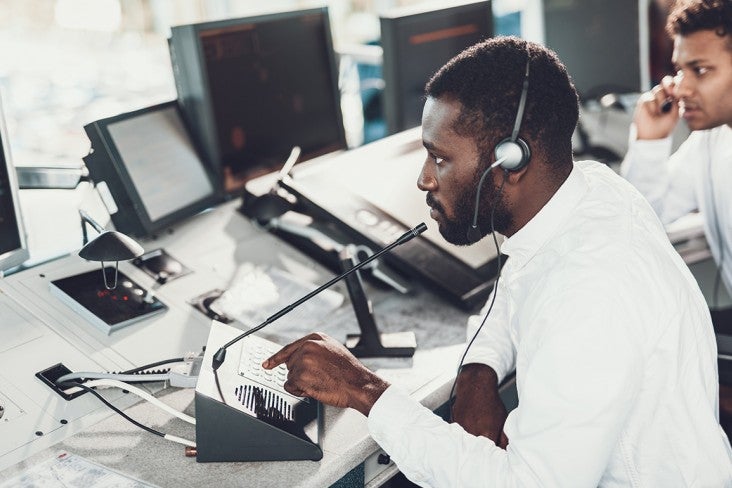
(220, 356)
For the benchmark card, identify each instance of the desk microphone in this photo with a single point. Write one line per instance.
(220, 356)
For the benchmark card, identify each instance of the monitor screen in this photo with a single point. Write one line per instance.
(601, 43)
(252, 88)
(416, 43)
(146, 163)
(13, 246)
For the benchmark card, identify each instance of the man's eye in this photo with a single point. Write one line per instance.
(701, 70)
(438, 160)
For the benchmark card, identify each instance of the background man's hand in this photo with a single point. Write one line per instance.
(322, 368)
(650, 119)
(478, 407)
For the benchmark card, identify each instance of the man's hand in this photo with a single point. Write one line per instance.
(322, 368)
(478, 407)
(651, 121)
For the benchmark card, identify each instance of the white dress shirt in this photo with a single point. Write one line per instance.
(697, 176)
(614, 354)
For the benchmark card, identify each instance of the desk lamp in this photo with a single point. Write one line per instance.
(110, 245)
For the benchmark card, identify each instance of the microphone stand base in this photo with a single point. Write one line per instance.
(393, 345)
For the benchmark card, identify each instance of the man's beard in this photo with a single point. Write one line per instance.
(455, 230)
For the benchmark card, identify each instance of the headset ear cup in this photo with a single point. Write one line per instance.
(516, 154)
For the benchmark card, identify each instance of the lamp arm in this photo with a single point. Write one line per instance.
(87, 219)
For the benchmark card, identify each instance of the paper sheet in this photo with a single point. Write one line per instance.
(258, 292)
(71, 471)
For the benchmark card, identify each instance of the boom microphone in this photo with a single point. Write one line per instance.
(220, 356)
(474, 233)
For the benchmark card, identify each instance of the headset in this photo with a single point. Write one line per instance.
(511, 154)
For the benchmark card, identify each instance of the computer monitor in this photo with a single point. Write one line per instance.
(604, 45)
(252, 88)
(416, 42)
(147, 169)
(13, 244)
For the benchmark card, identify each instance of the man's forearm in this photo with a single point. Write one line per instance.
(476, 375)
(478, 407)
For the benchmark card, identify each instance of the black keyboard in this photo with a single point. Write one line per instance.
(463, 285)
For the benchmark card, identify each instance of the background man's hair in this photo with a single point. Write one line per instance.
(689, 16)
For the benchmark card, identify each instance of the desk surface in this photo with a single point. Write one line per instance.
(39, 331)
(215, 245)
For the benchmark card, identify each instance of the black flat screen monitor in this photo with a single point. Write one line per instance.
(13, 245)
(252, 88)
(604, 45)
(416, 42)
(147, 169)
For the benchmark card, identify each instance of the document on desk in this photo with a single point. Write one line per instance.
(257, 292)
(71, 471)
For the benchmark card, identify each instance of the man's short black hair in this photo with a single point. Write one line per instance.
(487, 79)
(689, 16)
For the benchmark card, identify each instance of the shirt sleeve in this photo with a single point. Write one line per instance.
(574, 402)
(428, 450)
(492, 344)
(667, 182)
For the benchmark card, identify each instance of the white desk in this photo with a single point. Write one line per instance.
(39, 331)
(214, 245)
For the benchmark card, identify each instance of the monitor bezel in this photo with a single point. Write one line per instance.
(580, 62)
(18, 256)
(207, 106)
(146, 224)
(393, 71)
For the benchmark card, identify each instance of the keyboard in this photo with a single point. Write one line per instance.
(254, 351)
(466, 286)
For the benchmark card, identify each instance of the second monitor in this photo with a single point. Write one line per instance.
(604, 45)
(13, 243)
(254, 87)
(417, 41)
(147, 170)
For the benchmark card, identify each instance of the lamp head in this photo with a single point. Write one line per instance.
(110, 245)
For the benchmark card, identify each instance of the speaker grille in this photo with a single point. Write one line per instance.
(264, 403)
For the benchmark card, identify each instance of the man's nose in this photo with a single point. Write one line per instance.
(426, 180)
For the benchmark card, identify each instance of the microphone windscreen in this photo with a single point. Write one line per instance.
(474, 234)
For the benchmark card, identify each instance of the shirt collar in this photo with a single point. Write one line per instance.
(525, 243)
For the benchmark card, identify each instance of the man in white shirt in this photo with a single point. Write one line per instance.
(699, 174)
(606, 329)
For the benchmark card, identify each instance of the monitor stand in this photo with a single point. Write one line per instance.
(370, 343)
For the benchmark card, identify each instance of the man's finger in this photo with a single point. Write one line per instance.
(284, 354)
(292, 389)
(668, 85)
